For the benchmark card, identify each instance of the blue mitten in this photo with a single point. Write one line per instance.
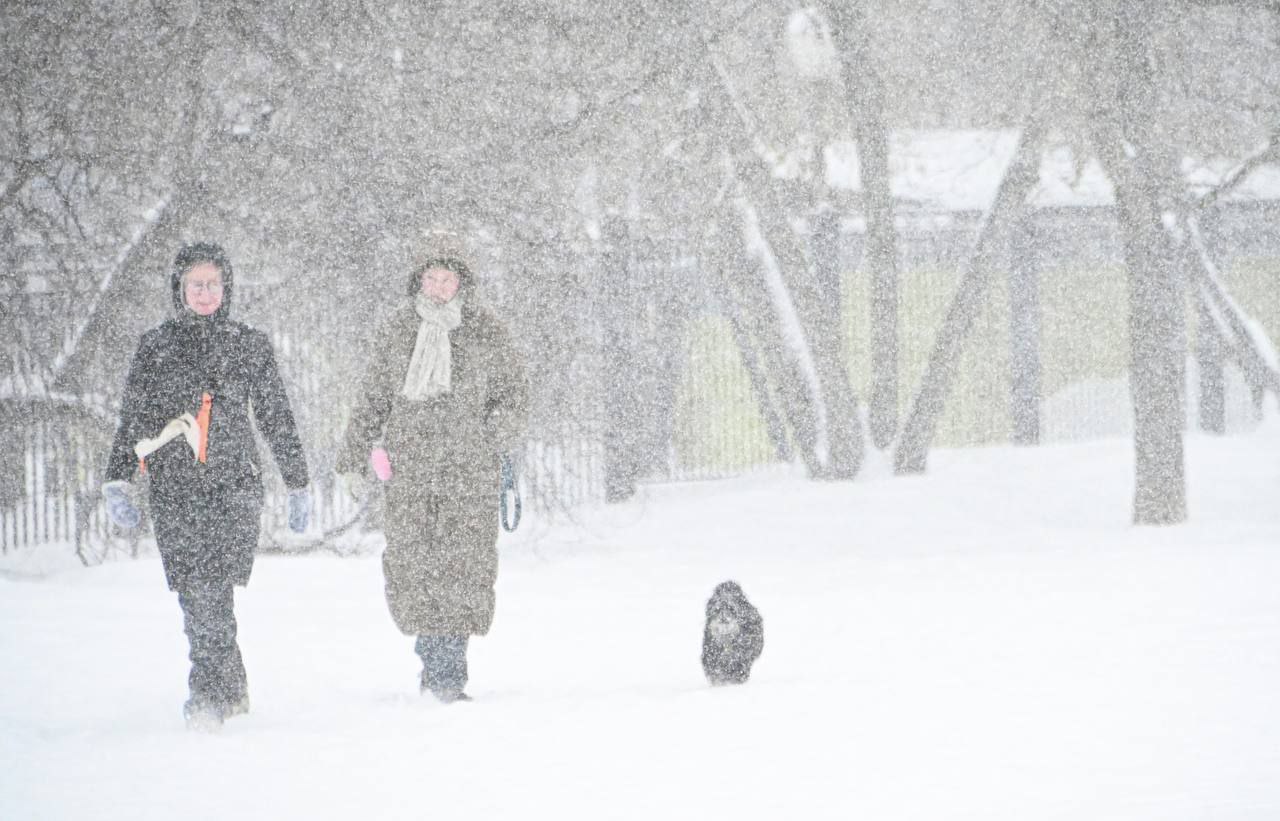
(120, 507)
(299, 509)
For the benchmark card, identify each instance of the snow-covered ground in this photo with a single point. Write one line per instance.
(992, 640)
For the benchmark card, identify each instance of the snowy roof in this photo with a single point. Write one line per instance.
(960, 170)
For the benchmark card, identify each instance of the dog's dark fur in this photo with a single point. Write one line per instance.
(733, 636)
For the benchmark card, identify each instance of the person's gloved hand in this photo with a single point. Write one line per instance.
(355, 484)
(299, 509)
(120, 507)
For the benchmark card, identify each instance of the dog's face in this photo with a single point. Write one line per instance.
(723, 627)
(727, 612)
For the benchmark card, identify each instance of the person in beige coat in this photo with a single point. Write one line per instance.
(442, 400)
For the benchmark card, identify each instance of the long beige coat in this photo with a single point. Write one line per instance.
(441, 560)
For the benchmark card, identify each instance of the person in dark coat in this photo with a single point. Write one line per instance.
(196, 386)
(442, 399)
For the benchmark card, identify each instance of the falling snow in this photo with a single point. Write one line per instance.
(759, 260)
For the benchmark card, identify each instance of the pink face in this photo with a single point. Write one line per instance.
(202, 289)
(439, 284)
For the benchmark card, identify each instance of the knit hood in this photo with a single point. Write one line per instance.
(189, 257)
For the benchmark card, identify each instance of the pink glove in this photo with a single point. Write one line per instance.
(381, 464)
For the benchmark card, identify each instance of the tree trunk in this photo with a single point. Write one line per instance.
(619, 351)
(1210, 354)
(1024, 335)
(657, 315)
(720, 256)
(1157, 349)
(971, 294)
(742, 288)
(1233, 326)
(818, 314)
(844, 428)
(865, 95)
(775, 426)
(818, 311)
(1144, 174)
(832, 404)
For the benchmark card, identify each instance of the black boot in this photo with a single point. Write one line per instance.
(444, 667)
(236, 708)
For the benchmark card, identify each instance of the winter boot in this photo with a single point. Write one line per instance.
(444, 667)
(202, 715)
(236, 708)
(450, 696)
(445, 693)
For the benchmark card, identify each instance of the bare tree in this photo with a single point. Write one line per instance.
(864, 90)
(971, 293)
(1143, 171)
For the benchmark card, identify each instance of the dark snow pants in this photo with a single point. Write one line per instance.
(444, 663)
(217, 676)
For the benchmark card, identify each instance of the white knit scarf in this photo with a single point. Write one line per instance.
(431, 368)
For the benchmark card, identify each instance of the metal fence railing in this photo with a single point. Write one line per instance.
(52, 452)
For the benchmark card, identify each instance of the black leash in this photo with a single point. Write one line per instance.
(510, 515)
(269, 544)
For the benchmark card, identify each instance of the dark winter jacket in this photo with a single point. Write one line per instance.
(206, 515)
(441, 559)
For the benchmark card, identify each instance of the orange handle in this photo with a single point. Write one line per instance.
(202, 424)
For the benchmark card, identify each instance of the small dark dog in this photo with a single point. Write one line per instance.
(733, 637)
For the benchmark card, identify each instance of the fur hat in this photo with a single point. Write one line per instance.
(442, 248)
